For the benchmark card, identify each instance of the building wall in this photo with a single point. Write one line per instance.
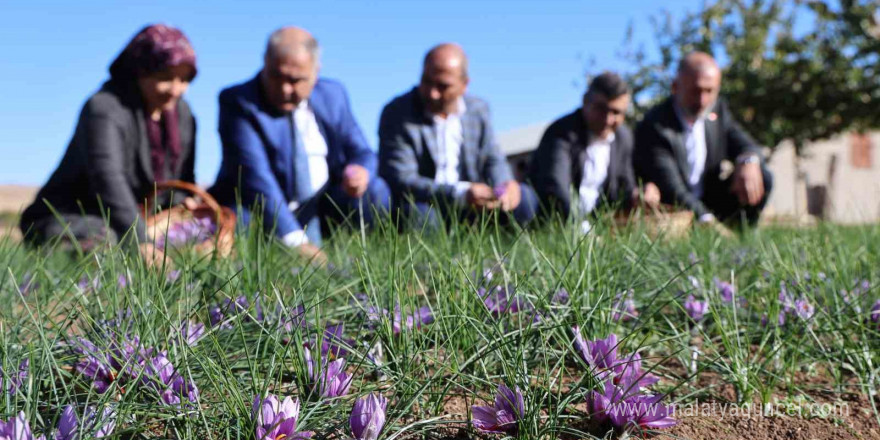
(853, 188)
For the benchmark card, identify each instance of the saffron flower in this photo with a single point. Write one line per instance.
(624, 306)
(187, 232)
(93, 426)
(725, 289)
(501, 300)
(162, 377)
(191, 331)
(15, 380)
(695, 309)
(368, 417)
(120, 363)
(219, 313)
(327, 379)
(600, 355)
(422, 316)
(504, 416)
(602, 358)
(17, 428)
(333, 343)
(277, 420)
(804, 309)
(875, 313)
(624, 409)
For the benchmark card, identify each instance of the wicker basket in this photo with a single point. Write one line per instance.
(223, 218)
(665, 221)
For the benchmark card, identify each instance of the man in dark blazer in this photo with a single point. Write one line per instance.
(292, 150)
(588, 154)
(437, 149)
(685, 143)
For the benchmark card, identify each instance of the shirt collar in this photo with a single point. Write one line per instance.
(460, 108)
(684, 121)
(608, 140)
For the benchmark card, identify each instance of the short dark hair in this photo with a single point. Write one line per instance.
(609, 85)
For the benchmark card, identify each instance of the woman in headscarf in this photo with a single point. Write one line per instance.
(135, 131)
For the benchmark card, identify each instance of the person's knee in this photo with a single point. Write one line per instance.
(378, 194)
(528, 205)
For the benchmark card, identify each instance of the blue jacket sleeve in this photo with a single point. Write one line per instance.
(357, 150)
(260, 191)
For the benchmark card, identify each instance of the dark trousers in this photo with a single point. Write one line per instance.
(434, 216)
(726, 207)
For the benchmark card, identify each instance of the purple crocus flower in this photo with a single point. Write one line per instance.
(173, 275)
(804, 309)
(642, 412)
(695, 309)
(501, 300)
(368, 417)
(624, 306)
(622, 407)
(725, 289)
(192, 231)
(118, 364)
(219, 313)
(333, 343)
(15, 380)
(602, 406)
(122, 281)
(93, 426)
(327, 379)
(500, 190)
(17, 428)
(630, 371)
(27, 284)
(162, 377)
(422, 316)
(503, 417)
(87, 285)
(600, 355)
(191, 331)
(875, 313)
(560, 298)
(277, 420)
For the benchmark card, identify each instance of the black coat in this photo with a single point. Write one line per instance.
(107, 167)
(557, 166)
(661, 157)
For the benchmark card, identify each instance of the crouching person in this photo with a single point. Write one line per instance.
(135, 131)
(292, 150)
(587, 154)
(438, 152)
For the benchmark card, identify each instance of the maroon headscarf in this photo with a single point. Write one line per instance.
(156, 48)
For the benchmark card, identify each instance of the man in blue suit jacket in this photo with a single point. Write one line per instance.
(292, 151)
(436, 144)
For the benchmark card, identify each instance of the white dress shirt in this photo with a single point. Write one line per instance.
(449, 140)
(315, 145)
(316, 149)
(695, 145)
(596, 162)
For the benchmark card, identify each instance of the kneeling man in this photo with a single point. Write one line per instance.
(683, 143)
(438, 152)
(292, 151)
(588, 154)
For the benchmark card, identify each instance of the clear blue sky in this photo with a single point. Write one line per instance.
(527, 58)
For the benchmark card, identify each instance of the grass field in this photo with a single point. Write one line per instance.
(779, 329)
